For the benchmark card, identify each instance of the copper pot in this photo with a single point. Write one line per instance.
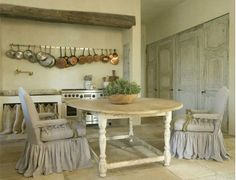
(96, 57)
(61, 61)
(89, 57)
(115, 58)
(105, 58)
(110, 54)
(82, 58)
(102, 55)
(73, 60)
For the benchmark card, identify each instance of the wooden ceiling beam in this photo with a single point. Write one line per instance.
(62, 16)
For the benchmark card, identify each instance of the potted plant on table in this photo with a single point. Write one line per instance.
(122, 91)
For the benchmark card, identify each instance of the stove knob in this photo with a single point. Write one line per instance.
(73, 95)
(65, 95)
(93, 96)
(69, 95)
(101, 94)
(77, 95)
(81, 96)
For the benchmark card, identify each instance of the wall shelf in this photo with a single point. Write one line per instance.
(62, 16)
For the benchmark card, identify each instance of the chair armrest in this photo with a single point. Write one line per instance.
(47, 115)
(196, 111)
(207, 116)
(50, 123)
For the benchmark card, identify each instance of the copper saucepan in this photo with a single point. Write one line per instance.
(73, 59)
(82, 58)
(115, 58)
(105, 58)
(61, 62)
(102, 55)
(89, 57)
(110, 54)
(66, 57)
(96, 57)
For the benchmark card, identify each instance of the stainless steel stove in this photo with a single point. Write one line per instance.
(81, 93)
(70, 112)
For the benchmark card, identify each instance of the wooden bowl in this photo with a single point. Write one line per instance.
(122, 98)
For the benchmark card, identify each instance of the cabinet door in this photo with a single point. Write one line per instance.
(151, 71)
(214, 61)
(165, 68)
(126, 60)
(186, 79)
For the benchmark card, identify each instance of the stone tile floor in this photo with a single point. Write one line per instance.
(150, 132)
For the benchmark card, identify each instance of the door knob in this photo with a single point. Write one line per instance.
(203, 92)
(180, 90)
(171, 89)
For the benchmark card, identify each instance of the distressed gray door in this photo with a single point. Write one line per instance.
(187, 65)
(126, 61)
(214, 61)
(165, 68)
(151, 73)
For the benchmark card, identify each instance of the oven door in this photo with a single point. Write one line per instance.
(69, 112)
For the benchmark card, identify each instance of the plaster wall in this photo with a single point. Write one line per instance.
(59, 34)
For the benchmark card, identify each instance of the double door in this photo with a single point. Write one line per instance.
(190, 66)
(160, 69)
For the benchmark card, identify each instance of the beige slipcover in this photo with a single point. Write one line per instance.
(200, 136)
(9, 114)
(56, 154)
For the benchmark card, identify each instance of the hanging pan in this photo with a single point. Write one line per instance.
(61, 62)
(72, 59)
(115, 58)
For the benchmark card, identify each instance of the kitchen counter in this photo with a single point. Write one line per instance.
(36, 98)
(34, 92)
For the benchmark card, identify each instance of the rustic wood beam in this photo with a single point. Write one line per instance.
(62, 16)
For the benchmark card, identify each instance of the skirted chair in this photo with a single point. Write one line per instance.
(51, 145)
(197, 135)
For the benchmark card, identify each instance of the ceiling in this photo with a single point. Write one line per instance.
(152, 8)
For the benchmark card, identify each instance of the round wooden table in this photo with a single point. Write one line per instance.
(140, 108)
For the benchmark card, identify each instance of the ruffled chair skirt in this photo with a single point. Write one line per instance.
(54, 157)
(201, 145)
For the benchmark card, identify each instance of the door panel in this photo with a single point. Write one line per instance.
(214, 61)
(126, 61)
(187, 69)
(165, 68)
(151, 72)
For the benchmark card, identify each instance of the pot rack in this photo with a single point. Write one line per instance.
(54, 47)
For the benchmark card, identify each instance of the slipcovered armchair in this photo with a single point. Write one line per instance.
(198, 133)
(50, 146)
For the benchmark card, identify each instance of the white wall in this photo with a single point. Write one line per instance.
(191, 13)
(34, 32)
(41, 33)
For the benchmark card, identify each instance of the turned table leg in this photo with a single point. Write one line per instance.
(102, 122)
(167, 155)
(131, 131)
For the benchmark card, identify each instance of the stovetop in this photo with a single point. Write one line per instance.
(82, 93)
(80, 89)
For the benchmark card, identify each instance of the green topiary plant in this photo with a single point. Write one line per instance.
(121, 86)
